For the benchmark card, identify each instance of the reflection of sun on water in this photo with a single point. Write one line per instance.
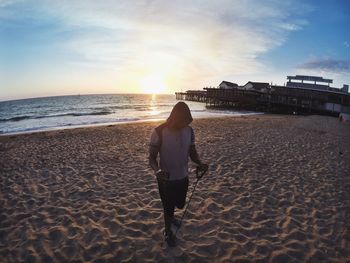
(153, 84)
(153, 105)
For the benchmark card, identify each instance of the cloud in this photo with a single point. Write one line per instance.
(186, 41)
(4, 3)
(327, 65)
(346, 44)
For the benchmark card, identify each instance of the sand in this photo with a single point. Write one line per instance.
(278, 190)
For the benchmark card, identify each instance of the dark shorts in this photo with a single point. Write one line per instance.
(173, 194)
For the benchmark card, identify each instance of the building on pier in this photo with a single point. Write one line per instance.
(311, 82)
(300, 97)
(257, 86)
(228, 85)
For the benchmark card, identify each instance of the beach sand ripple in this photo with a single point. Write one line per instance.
(278, 190)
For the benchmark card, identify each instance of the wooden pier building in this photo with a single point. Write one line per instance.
(260, 96)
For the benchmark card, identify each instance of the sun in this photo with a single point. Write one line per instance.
(152, 84)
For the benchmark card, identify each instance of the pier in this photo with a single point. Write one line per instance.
(192, 95)
(257, 96)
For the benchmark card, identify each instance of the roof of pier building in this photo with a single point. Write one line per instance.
(309, 82)
(228, 85)
(258, 86)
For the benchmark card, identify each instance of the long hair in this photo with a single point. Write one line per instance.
(180, 116)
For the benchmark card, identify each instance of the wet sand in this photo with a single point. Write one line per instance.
(278, 190)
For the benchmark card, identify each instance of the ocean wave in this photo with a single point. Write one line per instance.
(131, 107)
(68, 125)
(74, 114)
(198, 110)
(17, 118)
(86, 113)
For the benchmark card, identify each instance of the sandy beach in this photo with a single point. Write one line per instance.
(278, 190)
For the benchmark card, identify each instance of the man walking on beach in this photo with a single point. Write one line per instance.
(174, 141)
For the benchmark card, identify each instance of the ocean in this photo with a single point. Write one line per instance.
(40, 114)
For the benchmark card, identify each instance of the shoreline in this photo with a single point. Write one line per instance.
(217, 115)
(277, 190)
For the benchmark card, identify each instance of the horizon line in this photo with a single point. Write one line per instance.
(85, 94)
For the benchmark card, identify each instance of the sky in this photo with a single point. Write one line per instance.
(63, 47)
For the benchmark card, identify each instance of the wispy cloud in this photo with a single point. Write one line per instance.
(327, 65)
(346, 43)
(4, 3)
(189, 42)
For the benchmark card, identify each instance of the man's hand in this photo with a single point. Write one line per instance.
(162, 175)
